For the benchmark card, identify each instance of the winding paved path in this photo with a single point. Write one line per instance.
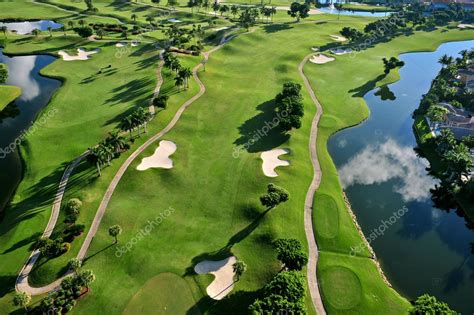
(308, 204)
(22, 284)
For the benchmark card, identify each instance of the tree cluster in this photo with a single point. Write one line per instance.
(427, 304)
(290, 253)
(3, 73)
(274, 196)
(289, 106)
(299, 10)
(182, 74)
(51, 248)
(351, 33)
(391, 63)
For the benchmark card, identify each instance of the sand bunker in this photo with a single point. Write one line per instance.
(314, 48)
(120, 45)
(224, 276)
(321, 59)
(271, 161)
(175, 20)
(338, 38)
(221, 28)
(341, 51)
(82, 54)
(135, 44)
(159, 159)
(465, 26)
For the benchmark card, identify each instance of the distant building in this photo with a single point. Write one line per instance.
(444, 3)
(458, 120)
(467, 76)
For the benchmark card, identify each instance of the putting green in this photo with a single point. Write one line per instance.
(8, 94)
(166, 293)
(342, 288)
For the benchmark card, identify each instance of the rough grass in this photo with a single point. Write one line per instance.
(8, 94)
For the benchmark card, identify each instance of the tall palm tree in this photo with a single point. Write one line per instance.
(96, 158)
(178, 81)
(134, 17)
(70, 24)
(127, 125)
(175, 65)
(446, 60)
(116, 141)
(82, 23)
(50, 30)
(185, 73)
(100, 32)
(35, 32)
(4, 30)
(150, 19)
(86, 278)
(234, 10)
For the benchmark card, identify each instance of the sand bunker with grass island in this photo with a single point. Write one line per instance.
(338, 38)
(271, 161)
(159, 159)
(321, 59)
(82, 54)
(223, 271)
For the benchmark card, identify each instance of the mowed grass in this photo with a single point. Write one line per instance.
(166, 293)
(214, 193)
(340, 86)
(87, 106)
(8, 94)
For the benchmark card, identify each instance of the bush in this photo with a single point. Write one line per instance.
(74, 230)
(66, 247)
(84, 31)
(71, 219)
(3, 73)
(73, 206)
(161, 101)
(427, 304)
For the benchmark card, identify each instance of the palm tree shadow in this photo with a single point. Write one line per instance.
(368, 86)
(262, 132)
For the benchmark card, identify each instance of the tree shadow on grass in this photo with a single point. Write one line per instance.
(274, 28)
(368, 86)
(8, 284)
(235, 303)
(29, 240)
(262, 132)
(137, 91)
(226, 251)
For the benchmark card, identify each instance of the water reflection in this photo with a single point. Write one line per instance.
(21, 71)
(382, 162)
(23, 28)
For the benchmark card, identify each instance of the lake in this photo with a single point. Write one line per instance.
(427, 250)
(17, 117)
(26, 27)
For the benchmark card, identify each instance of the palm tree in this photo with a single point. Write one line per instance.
(75, 265)
(86, 278)
(100, 32)
(134, 17)
(175, 65)
(98, 157)
(185, 73)
(127, 125)
(82, 23)
(63, 29)
(4, 30)
(108, 152)
(239, 268)
(178, 81)
(446, 60)
(50, 29)
(117, 141)
(273, 11)
(234, 10)
(115, 231)
(22, 299)
(70, 24)
(35, 32)
(125, 34)
(150, 19)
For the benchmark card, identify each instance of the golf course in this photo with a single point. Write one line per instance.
(172, 158)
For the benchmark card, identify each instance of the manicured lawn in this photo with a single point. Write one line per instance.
(165, 293)
(340, 86)
(8, 94)
(366, 7)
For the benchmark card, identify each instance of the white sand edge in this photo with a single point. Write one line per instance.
(321, 59)
(160, 158)
(271, 161)
(82, 54)
(338, 38)
(223, 271)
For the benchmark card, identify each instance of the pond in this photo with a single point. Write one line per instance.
(18, 117)
(354, 13)
(426, 249)
(26, 27)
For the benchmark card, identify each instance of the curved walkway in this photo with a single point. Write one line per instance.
(22, 279)
(308, 204)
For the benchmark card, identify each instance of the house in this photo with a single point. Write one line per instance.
(467, 76)
(460, 121)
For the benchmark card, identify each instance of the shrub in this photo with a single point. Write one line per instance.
(161, 101)
(73, 206)
(84, 31)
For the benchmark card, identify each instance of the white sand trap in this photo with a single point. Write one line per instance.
(224, 276)
(341, 51)
(135, 44)
(314, 48)
(321, 59)
(175, 20)
(221, 28)
(82, 54)
(338, 38)
(120, 44)
(271, 161)
(159, 159)
(463, 26)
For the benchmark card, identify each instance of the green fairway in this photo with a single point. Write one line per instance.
(165, 293)
(209, 201)
(8, 94)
